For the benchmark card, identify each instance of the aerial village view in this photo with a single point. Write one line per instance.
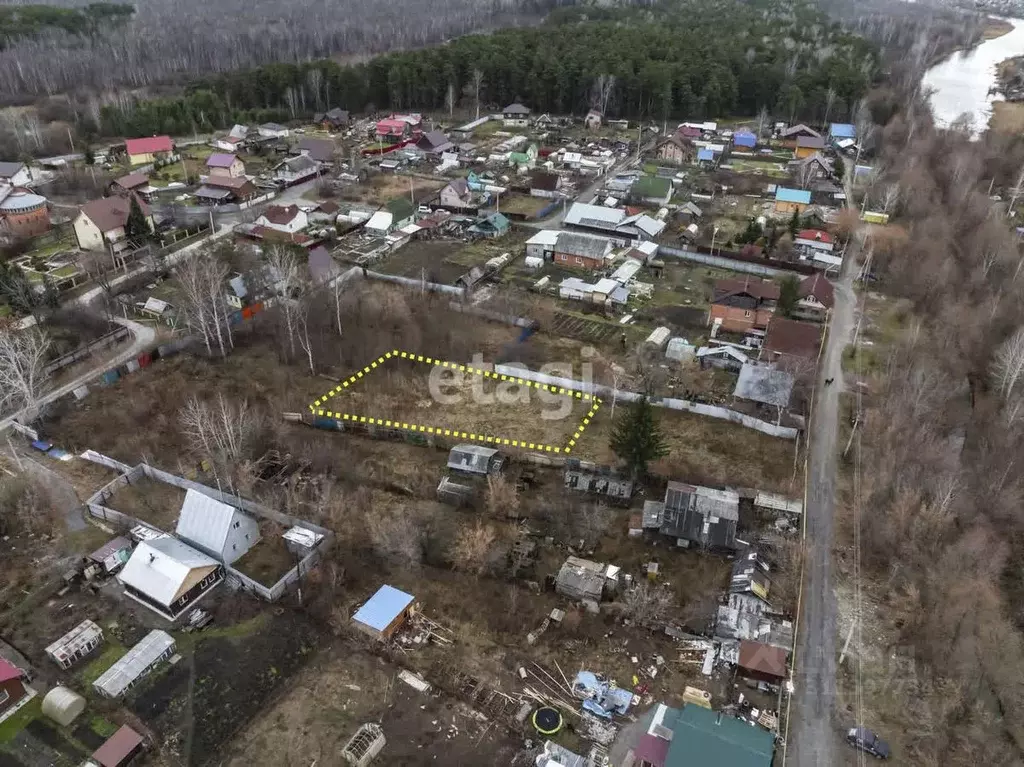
(619, 386)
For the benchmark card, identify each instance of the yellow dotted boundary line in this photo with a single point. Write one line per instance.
(316, 406)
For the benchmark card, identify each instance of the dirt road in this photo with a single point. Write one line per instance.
(814, 736)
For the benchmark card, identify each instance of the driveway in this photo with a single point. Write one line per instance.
(814, 736)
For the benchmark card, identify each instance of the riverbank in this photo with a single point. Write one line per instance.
(1008, 115)
(995, 28)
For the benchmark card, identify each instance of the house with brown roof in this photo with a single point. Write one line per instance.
(740, 305)
(544, 183)
(100, 224)
(806, 146)
(790, 135)
(677, 149)
(817, 297)
(287, 219)
(225, 164)
(457, 195)
(133, 182)
(332, 119)
(221, 189)
(434, 143)
(761, 662)
(120, 748)
(790, 340)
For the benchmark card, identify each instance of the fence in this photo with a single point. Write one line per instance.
(97, 506)
(712, 411)
(738, 262)
(111, 338)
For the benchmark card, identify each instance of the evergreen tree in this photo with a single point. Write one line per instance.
(90, 158)
(137, 225)
(789, 295)
(840, 167)
(794, 223)
(636, 437)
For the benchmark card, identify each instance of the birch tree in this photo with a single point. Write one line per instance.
(222, 431)
(23, 379)
(192, 277)
(283, 277)
(1009, 363)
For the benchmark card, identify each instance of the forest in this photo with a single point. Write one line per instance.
(172, 42)
(680, 59)
(19, 22)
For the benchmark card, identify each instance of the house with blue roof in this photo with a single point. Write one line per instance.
(744, 139)
(697, 736)
(384, 613)
(705, 155)
(789, 201)
(837, 131)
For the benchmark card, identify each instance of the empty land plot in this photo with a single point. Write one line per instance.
(268, 560)
(459, 401)
(425, 259)
(154, 502)
(708, 450)
(385, 187)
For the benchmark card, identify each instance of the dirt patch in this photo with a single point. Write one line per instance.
(89, 737)
(426, 259)
(268, 560)
(1007, 118)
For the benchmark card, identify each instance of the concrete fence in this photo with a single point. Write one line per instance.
(109, 339)
(97, 506)
(722, 262)
(712, 411)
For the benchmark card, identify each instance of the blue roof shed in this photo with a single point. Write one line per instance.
(800, 196)
(842, 130)
(384, 612)
(744, 139)
(705, 155)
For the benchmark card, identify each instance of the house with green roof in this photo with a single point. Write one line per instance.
(652, 190)
(523, 161)
(694, 736)
(490, 225)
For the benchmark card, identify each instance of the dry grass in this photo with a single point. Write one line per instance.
(155, 502)
(386, 187)
(1007, 118)
(707, 450)
(268, 560)
(402, 393)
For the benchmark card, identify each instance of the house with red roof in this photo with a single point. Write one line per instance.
(225, 164)
(791, 341)
(399, 127)
(145, 150)
(13, 690)
(814, 239)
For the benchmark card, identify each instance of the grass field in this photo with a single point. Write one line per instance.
(456, 400)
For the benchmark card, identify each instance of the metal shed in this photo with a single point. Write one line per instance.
(76, 644)
(384, 612)
(156, 646)
(475, 459)
(581, 579)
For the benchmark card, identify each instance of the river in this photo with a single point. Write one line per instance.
(962, 82)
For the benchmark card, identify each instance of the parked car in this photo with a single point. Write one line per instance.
(868, 741)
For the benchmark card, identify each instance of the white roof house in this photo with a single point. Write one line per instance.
(136, 663)
(544, 237)
(222, 531)
(600, 216)
(167, 575)
(380, 222)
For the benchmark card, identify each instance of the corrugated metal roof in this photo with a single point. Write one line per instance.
(801, 196)
(594, 214)
(160, 566)
(205, 521)
(471, 458)
(544, 237)
(136, 662)
(767, 385)
(582, 245)
(383, 607)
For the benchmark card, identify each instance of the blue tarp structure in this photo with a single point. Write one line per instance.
(842, 130)
(705, 155)
(599, 697)
(742, 138)
(801, 196)
(383, 607)
(39, 444)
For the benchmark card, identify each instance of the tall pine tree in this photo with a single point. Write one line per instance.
(137, 227)
(636, 437)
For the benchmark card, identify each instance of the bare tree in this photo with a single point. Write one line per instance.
(647, 603)
(472, 548)
(192, 277)
(1015, 192)
(23, 379)
(601, 93)
(502, 499)
(830, 101)
(222, 431)
(283, 276)
(1009, 363)
(763, 121)
(477, 81)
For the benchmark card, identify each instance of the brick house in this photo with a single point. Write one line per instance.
(740, 305)
(12, 686)
(581, 251)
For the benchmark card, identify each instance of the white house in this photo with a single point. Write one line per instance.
(457, 194)
(222, 531)
(169, 576)
(273, 130)
(101, 223)
(14, 173)
(296, 169)
(284, 218)
(542, 244)
(228, 143)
